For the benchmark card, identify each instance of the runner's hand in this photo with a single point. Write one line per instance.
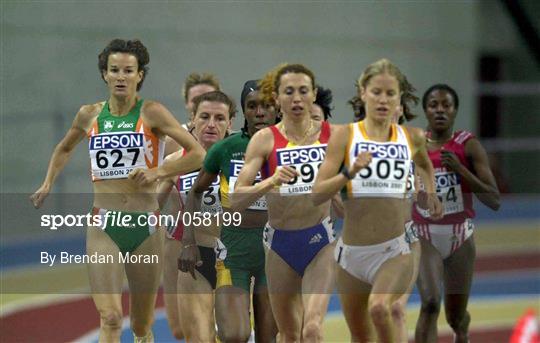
(189, 259)
(422, 200)
(284, 174)
(362, 160)
(143, 176)
(39, 196)
(450, 161)
(434, 206)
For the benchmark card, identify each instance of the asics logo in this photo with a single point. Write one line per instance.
(316, 238)
(124, 125)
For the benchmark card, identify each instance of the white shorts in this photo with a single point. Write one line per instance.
(363, 261)
(446, 238)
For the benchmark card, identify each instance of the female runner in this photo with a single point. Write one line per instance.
(244, 260)
(194, 85)
(375, 264)
(448, 251)
(214, 112)
(299, 266)
(126, 135)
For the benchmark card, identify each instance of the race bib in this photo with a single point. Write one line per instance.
(210, 200)
(236, 166)
(115, 155)
(388, 172)
(449, 192)
(307, 161)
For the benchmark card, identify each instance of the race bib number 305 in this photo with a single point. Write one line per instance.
(307, 161)
(387, 173)
(449, 191)
(236, 166)
(115, 155)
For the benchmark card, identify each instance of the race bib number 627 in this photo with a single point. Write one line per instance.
(115, 155)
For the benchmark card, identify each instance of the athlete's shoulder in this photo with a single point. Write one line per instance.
(462, 136)
(231, 139)
(91, 110)
(87, 115)
(152, 106)
(263, 134)
(416, 133)
(339, 129)
(221, 145)
(332, 127)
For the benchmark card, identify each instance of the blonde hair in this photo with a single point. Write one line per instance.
(384, 66)
(195, 79)
(271, 81)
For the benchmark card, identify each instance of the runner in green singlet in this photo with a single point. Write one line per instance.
(245, 253)
(126, 137)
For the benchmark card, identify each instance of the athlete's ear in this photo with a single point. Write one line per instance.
(141, 74)
(315, 90)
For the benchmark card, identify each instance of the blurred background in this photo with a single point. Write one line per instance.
(489, 51)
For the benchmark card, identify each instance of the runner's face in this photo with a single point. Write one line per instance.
(381, 97)
(258, 113)
(295, 95)
(194, 92)
(440, 110)
(121, 75)
(211, 122)
(317, 113)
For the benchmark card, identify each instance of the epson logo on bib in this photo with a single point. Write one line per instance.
(395, 151)
(301, 155)
(188, 180)
(446, 180)
(117, 141)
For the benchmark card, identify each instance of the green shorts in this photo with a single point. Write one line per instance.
(127, 237)
(244, 259)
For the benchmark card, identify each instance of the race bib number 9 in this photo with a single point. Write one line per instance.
(210, 200)
(449, 192)
(236, 166)
(115, 155)
(307, 161)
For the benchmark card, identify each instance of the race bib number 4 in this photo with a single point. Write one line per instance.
(449, 191)
(210, 200)
(236, 166)
(115, 155)
(307, 161)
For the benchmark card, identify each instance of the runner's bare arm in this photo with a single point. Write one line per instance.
(190, 256)
(162, 121)
(63, 150)
(329, 180)
(165, 185)
(425, 171)
(245, 192)
(482, 182)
